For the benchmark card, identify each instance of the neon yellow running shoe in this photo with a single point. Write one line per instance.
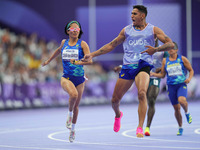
(180, 131)
(189, 118)
(147, 131)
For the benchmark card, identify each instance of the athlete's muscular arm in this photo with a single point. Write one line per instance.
(189, 68)
(86, 50)
(55, 54)
(108, 47)
(162, 73)
(158, 70)
(168, 44)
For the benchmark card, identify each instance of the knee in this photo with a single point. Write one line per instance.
(115, 99)
(177, 108)
(142, 95)
(73, 95)
(182, 101)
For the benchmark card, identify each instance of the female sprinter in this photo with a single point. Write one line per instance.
(72, 50)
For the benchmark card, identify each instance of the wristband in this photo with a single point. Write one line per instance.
(73, 61)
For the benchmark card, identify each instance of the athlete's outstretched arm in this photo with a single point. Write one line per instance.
(108, 47)
(55, 54)
(86, 50)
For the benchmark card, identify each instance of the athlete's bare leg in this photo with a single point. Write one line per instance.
(69, 87)
(183, 102)
(152, 94)
(121, 88)
(142, 83)
(177, 114)
(80, 89)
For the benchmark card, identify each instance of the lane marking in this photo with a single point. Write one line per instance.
(51, 136)
(197, 131)
(24, 147)
(114, 144)
(125, 133)
(154, 139)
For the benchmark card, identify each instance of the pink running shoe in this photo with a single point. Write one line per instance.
(139, 132)
(117, 123)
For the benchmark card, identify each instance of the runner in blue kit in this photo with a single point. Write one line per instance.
(72, 50)
(138, 41)
(175, 66)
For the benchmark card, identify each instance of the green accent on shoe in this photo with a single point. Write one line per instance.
(189, 118)
(147, 131)
(180, 131)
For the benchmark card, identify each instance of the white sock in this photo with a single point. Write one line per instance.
(187, 112)
(70, 113)
(73, 127)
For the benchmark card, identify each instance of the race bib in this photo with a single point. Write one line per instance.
(70, 54)
(175, 70)
(155, 82)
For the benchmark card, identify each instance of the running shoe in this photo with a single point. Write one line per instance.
(139, 132)
(147, 131)
(69, 122)
(189, 118)
(180, 131)
(72, 136)
(117, 123)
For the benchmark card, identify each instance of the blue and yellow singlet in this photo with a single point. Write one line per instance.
(72, 52)
(176, 71)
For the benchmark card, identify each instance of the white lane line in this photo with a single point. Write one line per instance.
(51, 136)
(24, 147)
(197, 131)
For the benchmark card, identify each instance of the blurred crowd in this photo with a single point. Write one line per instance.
(21, 55)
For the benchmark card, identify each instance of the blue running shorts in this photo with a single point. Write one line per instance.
(130, 74)
(175, 91)
(76, 80)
